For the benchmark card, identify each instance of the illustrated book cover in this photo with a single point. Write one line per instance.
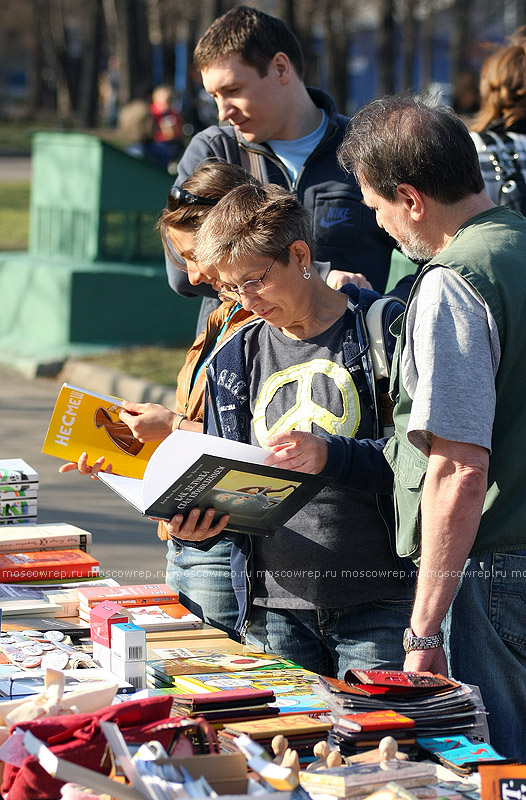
(192, 470)
(86, 421)
(46, 565)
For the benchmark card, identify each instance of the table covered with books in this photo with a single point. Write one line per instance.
(121, 691)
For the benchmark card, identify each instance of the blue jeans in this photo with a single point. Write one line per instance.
(330, 641)
(203, 580)
(488, 643)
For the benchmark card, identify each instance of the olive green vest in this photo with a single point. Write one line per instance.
(493, 244)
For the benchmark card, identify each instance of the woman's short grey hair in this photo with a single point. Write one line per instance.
(252, 221)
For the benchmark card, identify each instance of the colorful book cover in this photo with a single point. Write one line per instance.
(18, 491)
(193, 664)
(15, 471)
(375, 721)
(86, 421)
(292, 687)
(17, 508)
(192, 470)
(130, 595)
(47, 565)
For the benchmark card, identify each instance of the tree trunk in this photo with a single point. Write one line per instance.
(89, 94)
(409, 30)
(385, 48)
(460, 39)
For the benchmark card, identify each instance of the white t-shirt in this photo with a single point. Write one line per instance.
(449, 362)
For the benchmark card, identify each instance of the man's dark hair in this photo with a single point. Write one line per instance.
(403, 139)
(254, 36)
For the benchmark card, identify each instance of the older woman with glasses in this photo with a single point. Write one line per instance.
(326, 590)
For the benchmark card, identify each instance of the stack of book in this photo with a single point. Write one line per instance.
(301, 731)
(154, 607)
(357, 733)
(54, 599)
(229, 705)
(18, 492)
(291, 685)
(435, 703)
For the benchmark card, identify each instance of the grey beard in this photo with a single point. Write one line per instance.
(416, 249)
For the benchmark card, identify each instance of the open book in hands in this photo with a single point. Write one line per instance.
(193, 470)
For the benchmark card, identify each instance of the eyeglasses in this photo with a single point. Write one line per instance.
(227, 292)
(184, 198)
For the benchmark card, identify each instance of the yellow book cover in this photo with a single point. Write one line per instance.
(86, 421)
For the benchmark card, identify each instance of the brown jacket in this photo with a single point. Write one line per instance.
(190, 391)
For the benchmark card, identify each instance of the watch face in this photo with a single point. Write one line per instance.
(407, 638)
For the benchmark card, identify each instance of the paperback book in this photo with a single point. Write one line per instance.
(59, 536)
(168, 617)
(46, 565)
(16, 471)
(86, 421)
(130, 595)
(191, 470)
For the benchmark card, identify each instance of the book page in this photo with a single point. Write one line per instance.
(179, 451)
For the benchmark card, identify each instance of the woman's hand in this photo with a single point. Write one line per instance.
(298, 450)
(338, 278)
(194, 530)
(149, 422)
(84, 468)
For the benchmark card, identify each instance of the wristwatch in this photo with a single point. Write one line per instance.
(412, 642)
(178, 418)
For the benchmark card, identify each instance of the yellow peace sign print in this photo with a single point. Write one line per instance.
(305, 412)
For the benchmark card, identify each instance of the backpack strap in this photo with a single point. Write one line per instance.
(249, 160)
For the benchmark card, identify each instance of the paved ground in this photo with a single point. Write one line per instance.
(125, 543)
(15, 168)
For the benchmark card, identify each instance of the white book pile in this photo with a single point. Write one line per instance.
(18, 492)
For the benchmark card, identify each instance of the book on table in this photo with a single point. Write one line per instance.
(16, 475)
(46, 565)
(86, 421)
(57, 536)
(191, 470)
(129, 595)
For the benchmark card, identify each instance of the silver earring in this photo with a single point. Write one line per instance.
(306, 274)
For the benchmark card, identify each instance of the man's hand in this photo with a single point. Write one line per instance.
(338, 278)
(298, 450)
(149, 422)
(426, 661)
(84, 468)
(194, 531)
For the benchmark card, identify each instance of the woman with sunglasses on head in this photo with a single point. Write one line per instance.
(200, 578)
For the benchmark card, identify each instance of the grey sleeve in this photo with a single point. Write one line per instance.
(450, 361)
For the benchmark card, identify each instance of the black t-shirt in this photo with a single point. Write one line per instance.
(336, 551)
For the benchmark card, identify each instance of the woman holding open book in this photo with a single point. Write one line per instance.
(326, 590)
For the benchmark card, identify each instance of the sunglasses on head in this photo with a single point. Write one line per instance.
(184, 198)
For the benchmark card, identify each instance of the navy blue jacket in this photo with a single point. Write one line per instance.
(345, 231)
(355, 462)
